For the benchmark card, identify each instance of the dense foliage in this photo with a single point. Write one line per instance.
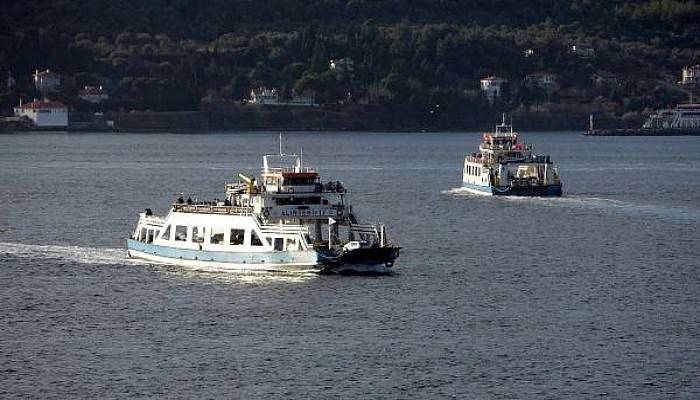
(169, 55)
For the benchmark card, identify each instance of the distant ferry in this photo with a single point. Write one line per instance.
(682, 120)
(276, 225)
(505, 167)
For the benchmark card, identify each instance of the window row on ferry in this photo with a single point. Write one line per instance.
(472, 170)
(219, 237)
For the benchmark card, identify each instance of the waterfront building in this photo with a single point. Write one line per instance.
(263, 96)
(44, 113)
(271, 97)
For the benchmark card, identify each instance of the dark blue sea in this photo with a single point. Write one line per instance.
(592, 295)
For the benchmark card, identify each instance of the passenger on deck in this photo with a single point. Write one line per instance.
(189, 201)
(180, 200)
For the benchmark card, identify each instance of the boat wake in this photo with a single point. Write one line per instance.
(680, 214)
(75, 254)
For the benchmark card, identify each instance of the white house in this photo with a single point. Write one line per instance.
(691, 75)
(542, 80)
(44, 113)
(93, 94)
(264, 96)
(46, 81)
(492, 87)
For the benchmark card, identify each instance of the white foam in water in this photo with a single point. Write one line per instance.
(677, 213)
(76, 254)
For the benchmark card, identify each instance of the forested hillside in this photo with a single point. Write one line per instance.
(169, 55)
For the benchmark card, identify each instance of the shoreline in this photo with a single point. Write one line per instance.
(353, 118)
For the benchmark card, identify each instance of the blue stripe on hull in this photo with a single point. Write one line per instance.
(549, 190)
(248, 258)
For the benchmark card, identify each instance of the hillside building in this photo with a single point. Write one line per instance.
(46, 81)
(344, 68)
(691, 76)
(542, 80)
(93, 94)
(492, 87)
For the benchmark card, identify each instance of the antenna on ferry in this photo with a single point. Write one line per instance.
(301, 159)
(511, 125)
(280, 143)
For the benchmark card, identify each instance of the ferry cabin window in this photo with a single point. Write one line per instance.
(180, 233)
(292, 245)
(196, 236)
(217, 236)
(166, 233)
(254, 239)
(237, 236)
(149, 236)
(279, 244)
(142, 235)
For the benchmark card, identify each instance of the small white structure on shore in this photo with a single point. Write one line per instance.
(271, 97)
(46, 81)
(44, 113)
(492, 87)
(263, 96)
(93, 94)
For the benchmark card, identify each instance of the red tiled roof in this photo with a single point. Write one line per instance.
(39, 104)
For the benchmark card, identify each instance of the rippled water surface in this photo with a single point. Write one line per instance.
(595, 294)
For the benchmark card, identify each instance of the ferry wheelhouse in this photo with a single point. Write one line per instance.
(503, 166)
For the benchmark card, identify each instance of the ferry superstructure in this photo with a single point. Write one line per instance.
(685, 117)
(290, 221)
(287, 192)
(505, 167)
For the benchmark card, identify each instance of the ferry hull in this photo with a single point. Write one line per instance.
(363, 261)
(226, 261)
(535, 191)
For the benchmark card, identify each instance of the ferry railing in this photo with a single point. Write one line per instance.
(284, 229)
(212, 209)
(364, 229)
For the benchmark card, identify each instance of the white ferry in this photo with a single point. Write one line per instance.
(289, 222)
(683, 117)
(505, 167)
